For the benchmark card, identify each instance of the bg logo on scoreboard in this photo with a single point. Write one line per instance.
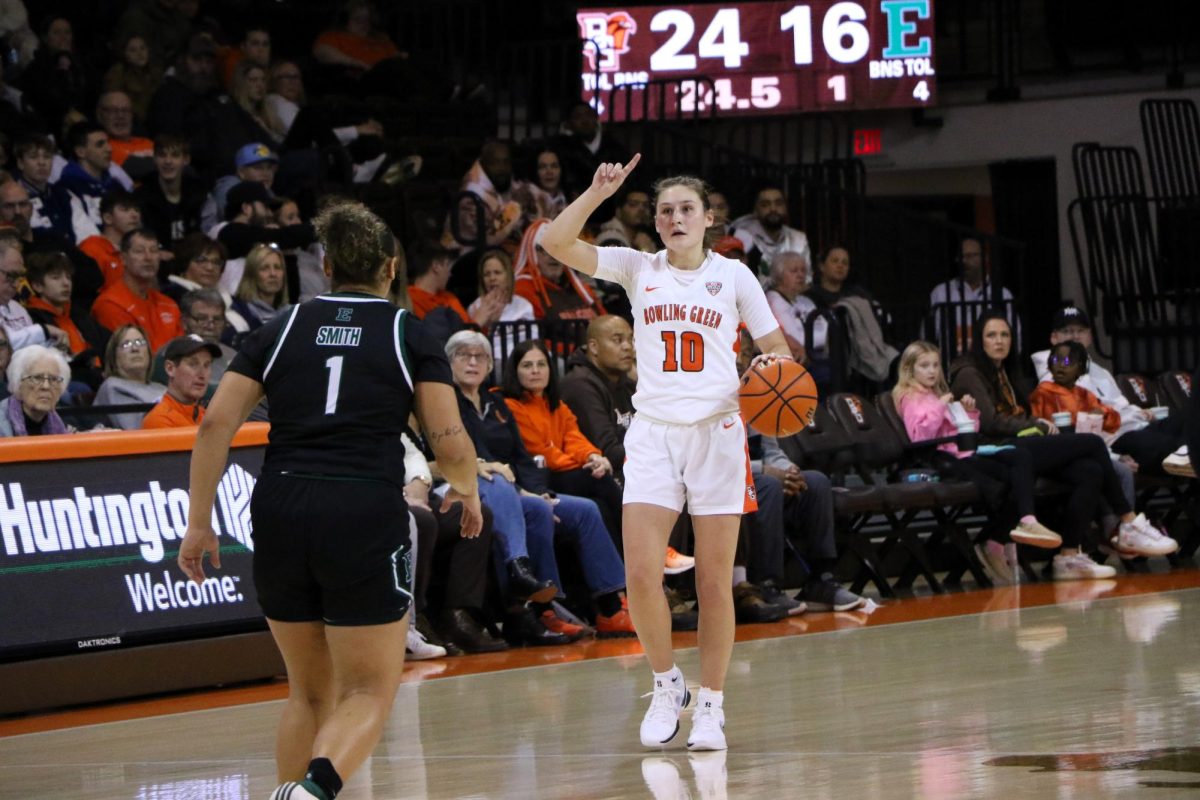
(611, 33)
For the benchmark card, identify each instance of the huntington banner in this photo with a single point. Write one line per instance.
(88, 547)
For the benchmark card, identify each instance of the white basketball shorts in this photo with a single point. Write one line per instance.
(706, 464)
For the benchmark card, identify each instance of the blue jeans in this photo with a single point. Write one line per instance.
(582, 524)
(515, 532)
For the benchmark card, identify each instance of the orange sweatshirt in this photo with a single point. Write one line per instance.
(62, 319)
(1049, 398)
(170, 413)
(553, 435)
(423, 302)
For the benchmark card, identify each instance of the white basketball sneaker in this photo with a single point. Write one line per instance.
(669, 698)
(298, 790)
(708, 724)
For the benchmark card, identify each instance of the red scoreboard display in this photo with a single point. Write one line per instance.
(763, 57)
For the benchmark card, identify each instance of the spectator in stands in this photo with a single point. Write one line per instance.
(832, 282)
(311, 272)
(189, 365)
(546, 187)
(256, 163)
(37, 377)
(549, 429)
(765, 231)
(719, 205)
(1005, 477)
(554, 291)
(171, 199)
(203, 313)
(120, 214)
(357, 44)
(51, 209)
(490, 183)
(6, 352)
(135, 298)
(16, 211)
(19, 327)
(161, 23)
(788, 278)
(1192, 424)
(794, 503)
(250, 223)
(203, 262)
(127, 381)
(50, 278)
(135, 75)
(1068, 362)
(428, 275)
(134, 154)
(582, 146)
(958, 301)
(730, 247)
(263, 291)
(1080, 461)
(255, 48)
(868, 354)
(597, 387)
(88, 174)
(249, 94)
(304, 126)
(496, 301)
(188, 104)
(55, 82)
(506, 463)
(460, 563)
(633, 219)
(1139, 435)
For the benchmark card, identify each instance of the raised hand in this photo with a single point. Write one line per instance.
(609, 177)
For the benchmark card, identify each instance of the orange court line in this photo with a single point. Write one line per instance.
(890, 613)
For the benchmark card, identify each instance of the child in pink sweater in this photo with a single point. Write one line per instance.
(923, 400)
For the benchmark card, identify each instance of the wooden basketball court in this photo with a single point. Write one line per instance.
(1082, 690)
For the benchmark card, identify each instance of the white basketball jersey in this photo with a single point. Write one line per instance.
(685, 330)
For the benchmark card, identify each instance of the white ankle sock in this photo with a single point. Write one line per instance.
(674, 673)
(709, 698)
(739, 575)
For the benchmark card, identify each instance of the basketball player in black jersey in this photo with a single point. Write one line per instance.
(332, 550)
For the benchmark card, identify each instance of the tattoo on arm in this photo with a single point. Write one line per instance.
(437, 436)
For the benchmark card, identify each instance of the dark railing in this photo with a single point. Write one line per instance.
(562, 338)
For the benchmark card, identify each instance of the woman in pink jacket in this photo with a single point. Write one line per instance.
(923, 400)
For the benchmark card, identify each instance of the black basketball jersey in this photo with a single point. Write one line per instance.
(339, 373)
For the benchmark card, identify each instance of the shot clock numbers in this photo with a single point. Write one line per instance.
(765, 57)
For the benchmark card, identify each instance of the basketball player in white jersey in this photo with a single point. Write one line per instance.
(687, 441)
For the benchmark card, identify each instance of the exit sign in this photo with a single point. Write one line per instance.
(868, 141)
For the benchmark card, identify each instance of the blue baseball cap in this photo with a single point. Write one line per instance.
(255, 153)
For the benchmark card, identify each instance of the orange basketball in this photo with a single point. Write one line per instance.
(778, 399)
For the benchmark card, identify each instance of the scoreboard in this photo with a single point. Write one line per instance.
(763, 57)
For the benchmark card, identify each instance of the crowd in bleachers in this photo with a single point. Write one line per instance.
(154, 209)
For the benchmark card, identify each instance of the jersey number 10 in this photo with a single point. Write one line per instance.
(685, 352)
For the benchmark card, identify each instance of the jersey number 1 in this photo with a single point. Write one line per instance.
(334, 365)
(686, 352)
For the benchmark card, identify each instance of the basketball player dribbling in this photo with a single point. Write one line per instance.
(687, 442)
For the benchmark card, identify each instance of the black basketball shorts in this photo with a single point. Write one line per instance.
(337, 551)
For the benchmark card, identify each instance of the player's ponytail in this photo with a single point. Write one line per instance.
(357, 243)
